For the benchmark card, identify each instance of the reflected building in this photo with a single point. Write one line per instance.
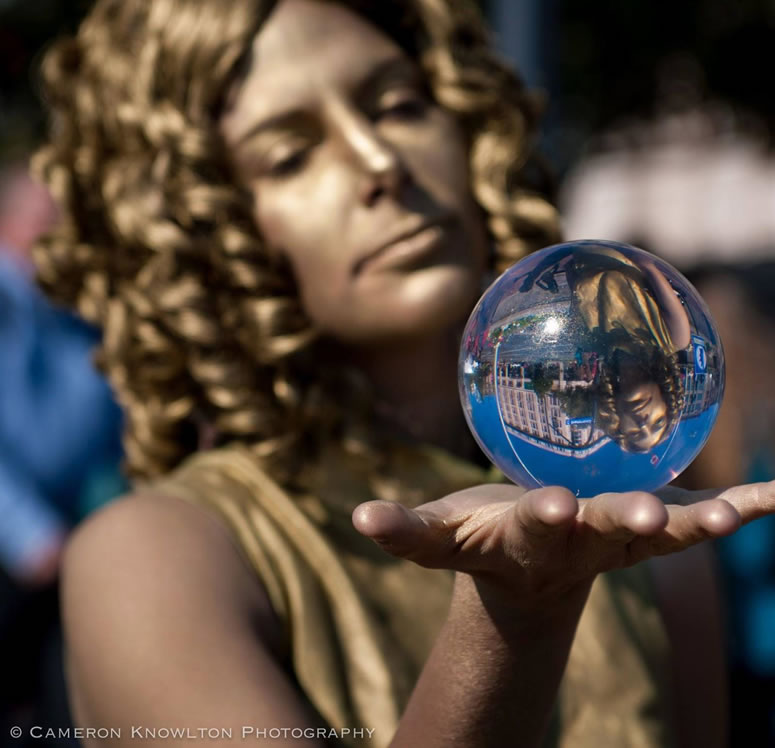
(701, 388)
(540, 418)
(700, 391)
(533, 403)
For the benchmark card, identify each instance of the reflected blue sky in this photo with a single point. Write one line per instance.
(609, 469)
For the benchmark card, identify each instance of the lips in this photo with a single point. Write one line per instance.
(406, 247)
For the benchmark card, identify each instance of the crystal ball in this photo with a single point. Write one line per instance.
(592, 365)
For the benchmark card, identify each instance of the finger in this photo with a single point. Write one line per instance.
(383, 521)
(434, 533)
(546, 512)
(751, 501)
(687, 526)
(425, 535)
(621, 517)
(390, 524)
(510, 531)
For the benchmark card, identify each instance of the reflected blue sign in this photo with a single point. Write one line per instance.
(700, 355)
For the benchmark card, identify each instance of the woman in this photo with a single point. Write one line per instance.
(282, 216)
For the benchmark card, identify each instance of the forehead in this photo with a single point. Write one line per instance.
(306, 47)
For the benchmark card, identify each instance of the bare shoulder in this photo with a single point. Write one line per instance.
(161, 545)
(165, 623)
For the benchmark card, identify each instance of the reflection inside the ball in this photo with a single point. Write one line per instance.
(643, 402)
(643, 417)
(586, 348)
(633, 333)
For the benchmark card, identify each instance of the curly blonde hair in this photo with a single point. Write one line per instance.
(158, 243)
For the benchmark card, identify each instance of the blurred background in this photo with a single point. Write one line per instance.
(659, 126)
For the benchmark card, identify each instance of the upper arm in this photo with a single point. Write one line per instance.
(689, 597)
(673, 311)
(166, 626)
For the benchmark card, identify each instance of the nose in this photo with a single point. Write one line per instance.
(383, 174)
(380, 169)
(641, 419)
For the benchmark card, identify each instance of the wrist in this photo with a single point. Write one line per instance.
(480, 601)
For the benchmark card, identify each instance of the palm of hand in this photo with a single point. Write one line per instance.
(537, 546)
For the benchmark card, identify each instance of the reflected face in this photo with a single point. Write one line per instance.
(359, 178)
(643, 416)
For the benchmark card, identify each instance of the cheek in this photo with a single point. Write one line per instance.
(303, 225)
(277, 211)
(441, 159)
(441, 166)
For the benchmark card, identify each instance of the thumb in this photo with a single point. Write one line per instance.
(397, 529)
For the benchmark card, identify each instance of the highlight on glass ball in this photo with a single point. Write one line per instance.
(592, 365)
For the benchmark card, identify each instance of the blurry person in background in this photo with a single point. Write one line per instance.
(59, 454)
(697, 187)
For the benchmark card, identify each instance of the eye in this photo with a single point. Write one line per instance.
(408, 109)
(403, 105)
(288, 164)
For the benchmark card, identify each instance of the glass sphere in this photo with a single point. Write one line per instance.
(592, 365)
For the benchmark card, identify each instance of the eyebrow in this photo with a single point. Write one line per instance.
(379, 72)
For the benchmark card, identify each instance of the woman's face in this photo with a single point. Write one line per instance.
(643, 416)
(359, 178)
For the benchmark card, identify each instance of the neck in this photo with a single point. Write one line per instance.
(415, 384)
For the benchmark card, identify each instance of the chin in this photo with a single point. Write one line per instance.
(424, 306)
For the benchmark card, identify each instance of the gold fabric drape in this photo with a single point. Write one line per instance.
(360, 624)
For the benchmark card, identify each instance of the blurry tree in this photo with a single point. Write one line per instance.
(542, 380)
(577, 402)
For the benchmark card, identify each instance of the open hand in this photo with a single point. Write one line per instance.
(537, 546)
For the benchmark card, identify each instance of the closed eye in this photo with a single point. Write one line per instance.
(412, 108)
(289, 164)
